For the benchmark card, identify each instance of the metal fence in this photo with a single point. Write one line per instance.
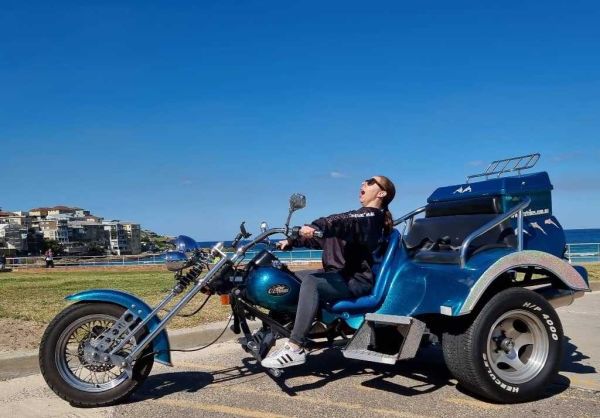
(576, 253)
(583, 252)
(299, 256)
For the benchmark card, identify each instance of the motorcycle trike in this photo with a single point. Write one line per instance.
(478, 270)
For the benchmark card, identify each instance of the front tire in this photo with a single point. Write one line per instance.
(512, 349)
(69, 375)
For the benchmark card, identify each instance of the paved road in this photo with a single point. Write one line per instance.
(223, 381)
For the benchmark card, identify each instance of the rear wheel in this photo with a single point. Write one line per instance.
(63, 363)
(512, 349)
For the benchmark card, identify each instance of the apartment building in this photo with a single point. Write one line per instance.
(134, 235)
(124, 237)
(76, 229)
(55, 229)
(39, 213)
(21, 218)
(88, 232)
(13, 238)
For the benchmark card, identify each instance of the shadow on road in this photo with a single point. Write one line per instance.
(572, 358)
(427, 368)
(427, 372)
(164, 384)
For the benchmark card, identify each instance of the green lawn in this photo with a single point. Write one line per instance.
(39, 296)
(593, 271)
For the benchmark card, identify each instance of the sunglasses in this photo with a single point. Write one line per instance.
(372, 181)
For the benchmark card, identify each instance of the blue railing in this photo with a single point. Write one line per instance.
(583, 252)
(296, 256)
(576, 253)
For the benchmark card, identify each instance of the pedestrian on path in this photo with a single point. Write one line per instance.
(49, 257)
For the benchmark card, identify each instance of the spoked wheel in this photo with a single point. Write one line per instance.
(70, 374)
(511, 350)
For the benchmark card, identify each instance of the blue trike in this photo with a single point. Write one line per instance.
(479, 270)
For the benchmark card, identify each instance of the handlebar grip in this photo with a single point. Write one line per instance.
(296, 233)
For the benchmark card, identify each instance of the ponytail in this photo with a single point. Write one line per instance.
(390, 189)
(388, 222)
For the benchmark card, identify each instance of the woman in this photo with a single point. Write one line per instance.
(349, 240)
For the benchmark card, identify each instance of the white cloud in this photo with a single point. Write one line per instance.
(475, 163)
(567, 156)
(337, 175)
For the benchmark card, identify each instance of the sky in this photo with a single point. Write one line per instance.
(190, 117)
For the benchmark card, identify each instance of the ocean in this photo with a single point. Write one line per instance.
(583, 245)
(575, 236)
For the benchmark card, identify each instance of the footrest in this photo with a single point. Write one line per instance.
(368, 355)
(388, 319)
(386, 339)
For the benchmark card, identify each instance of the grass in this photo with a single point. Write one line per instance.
(593, 271)
(39, 296)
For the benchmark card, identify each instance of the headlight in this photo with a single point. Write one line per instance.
(175, 260)
(185, 243)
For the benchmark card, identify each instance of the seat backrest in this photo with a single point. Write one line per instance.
(454, 229)
(452, 221)
(382, 266)
(382, 271)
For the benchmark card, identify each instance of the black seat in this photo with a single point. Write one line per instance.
(437, 237)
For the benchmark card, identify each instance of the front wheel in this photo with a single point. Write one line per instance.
(512, 349)
(67, 372)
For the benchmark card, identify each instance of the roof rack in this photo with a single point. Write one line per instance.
(508, 165)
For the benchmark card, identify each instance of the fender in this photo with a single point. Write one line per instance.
(129, 301)
(569, 275)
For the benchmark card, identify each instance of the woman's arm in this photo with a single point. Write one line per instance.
(348, 224)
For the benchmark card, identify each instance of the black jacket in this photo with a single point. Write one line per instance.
(348, 243)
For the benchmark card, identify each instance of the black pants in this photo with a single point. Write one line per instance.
(317, 286)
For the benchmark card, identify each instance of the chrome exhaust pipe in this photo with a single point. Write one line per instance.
(560, 297)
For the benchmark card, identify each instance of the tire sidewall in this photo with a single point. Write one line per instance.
(49, 367)
(531, 302)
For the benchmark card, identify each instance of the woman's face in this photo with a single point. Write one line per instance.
(370, 192)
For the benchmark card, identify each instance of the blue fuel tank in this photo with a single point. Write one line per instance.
(273, 288)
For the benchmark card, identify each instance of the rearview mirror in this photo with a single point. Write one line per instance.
(264, 226)
(297, 201)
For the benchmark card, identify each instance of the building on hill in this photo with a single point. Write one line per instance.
(55, 229)
(76, 229)
(124, 237)
(18, 218)
(133, 232)
(13, 239)
(89, 233)
(39, 213)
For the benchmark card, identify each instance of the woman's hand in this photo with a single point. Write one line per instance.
(307, 231)
(283, 244)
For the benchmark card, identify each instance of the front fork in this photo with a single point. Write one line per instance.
(98, 348)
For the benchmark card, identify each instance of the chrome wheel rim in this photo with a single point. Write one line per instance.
(517, 346)
(70, 361)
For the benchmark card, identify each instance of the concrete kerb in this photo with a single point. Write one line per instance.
(23, 363)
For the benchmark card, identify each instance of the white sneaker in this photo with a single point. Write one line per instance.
(284, 357)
